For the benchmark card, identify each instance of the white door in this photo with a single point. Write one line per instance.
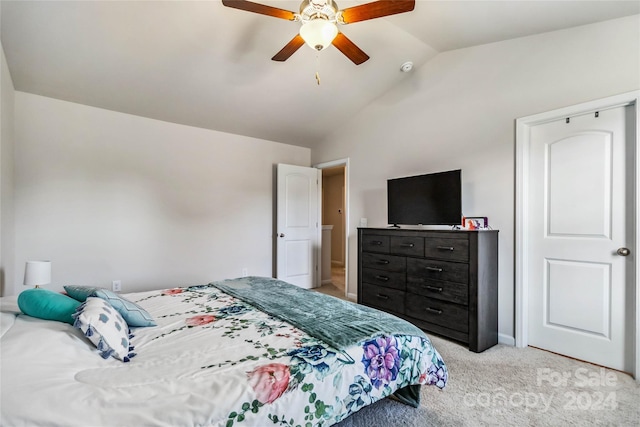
(298, 232)
(580, 215)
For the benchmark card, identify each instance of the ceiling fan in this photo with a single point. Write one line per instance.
(319, 19)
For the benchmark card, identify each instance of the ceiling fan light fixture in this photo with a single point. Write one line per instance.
(318, 33)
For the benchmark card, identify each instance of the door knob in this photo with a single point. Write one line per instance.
(623, 252)
(281, 235)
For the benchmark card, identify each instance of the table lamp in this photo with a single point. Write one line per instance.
(37, 273)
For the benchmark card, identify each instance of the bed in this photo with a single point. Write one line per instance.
(242, 352)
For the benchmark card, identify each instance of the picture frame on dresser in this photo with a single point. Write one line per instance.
(443, 281)
(475, 223)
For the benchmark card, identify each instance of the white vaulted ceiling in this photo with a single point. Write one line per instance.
(202, 64)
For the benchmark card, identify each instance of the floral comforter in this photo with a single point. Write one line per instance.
(214, 360)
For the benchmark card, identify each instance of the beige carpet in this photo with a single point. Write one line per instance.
(508, 386)
(336, 287)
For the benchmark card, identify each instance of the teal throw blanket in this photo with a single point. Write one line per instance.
(336, 322)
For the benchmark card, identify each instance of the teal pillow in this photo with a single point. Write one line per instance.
(81, 293)
(132, 313)
(48, 305)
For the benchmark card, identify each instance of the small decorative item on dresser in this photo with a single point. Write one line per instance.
(475, 223)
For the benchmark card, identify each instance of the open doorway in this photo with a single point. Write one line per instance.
(334, 229)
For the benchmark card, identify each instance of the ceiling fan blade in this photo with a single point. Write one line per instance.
(376, 9)
(289, 49)
(250, 6)
(350, 50)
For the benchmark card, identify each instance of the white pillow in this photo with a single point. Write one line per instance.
(105, 328)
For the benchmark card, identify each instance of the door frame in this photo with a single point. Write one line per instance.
(342, 162)
(523, 127)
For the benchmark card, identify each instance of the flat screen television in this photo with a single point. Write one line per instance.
(431, 199)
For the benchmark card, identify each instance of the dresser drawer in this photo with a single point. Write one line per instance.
(441, 313)
(430, 269)
(447, 291)
(383, 298)
(387, 279)
(412, 246)
(448, 249)
(373, 243)
(384, 262)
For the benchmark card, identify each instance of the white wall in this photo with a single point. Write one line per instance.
(7, 272)
(459, 111)
(107, 195)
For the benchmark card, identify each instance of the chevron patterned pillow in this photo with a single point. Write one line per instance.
(133, 314)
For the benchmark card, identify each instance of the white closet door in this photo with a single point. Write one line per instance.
(580, 212)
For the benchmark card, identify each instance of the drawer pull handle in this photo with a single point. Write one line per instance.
(433, 288)
(445, 248)
(383, 278)
(433, 310)
(407, 245)
(376, 242)
(383, 261)
(383, 296)
(436, 269)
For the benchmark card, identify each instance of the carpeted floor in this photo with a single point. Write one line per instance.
(336, 287)
(508, 386)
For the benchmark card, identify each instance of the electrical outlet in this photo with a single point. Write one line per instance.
(116, 286)
(245, 272)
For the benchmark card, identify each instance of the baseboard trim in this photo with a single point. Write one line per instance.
(352, 296)
(506, 340)
(337, 263)
(326, 282)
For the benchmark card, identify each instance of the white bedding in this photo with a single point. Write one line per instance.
(8, 312)
(198, 367)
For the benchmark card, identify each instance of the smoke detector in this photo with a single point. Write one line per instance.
(406, 67)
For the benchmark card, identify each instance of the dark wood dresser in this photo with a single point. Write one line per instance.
(445, 282)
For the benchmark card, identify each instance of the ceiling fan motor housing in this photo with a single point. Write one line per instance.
(318, 9)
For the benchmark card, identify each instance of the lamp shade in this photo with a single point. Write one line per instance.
(318, 33)
(37, 273)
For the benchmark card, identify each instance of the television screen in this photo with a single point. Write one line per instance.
(431, 199)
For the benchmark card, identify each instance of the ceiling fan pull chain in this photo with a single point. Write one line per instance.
(318, 69)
